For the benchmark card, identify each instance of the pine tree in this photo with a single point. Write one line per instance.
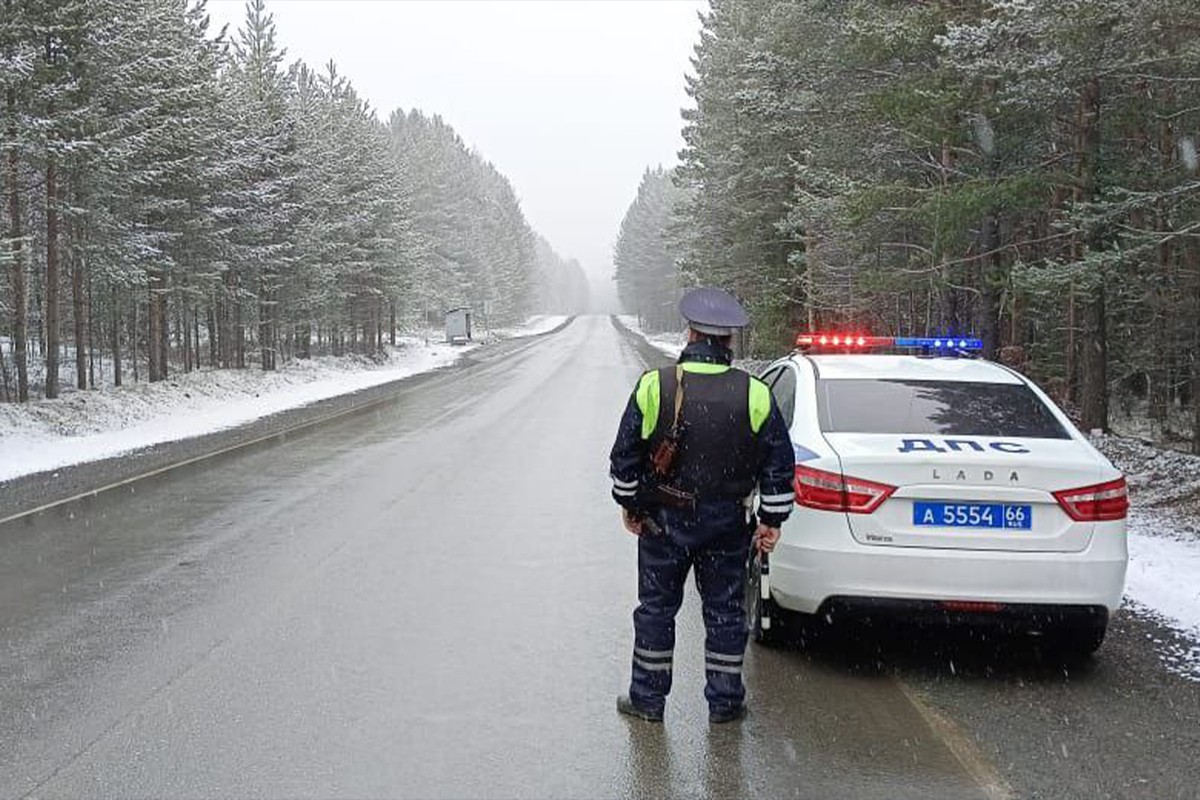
(646, 256)
(1020, 170)
(19, 56)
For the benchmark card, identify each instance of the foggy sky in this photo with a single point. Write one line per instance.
(571, 99)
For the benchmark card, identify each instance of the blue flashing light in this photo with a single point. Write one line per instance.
(840, 342)
(933, 343)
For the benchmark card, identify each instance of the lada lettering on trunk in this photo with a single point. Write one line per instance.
(974, 476)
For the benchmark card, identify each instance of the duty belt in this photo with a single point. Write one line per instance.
(670, 497)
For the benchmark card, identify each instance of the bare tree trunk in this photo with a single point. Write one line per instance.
(264, 325)
(239, 334)
(79, 313)
(133, 337)
(164, 330)
(1072, 368)
(91, 337)
(6, 395)
(1093, 404)
(1094, 372)
(225, 321)
(153, 353)
(1016, 320)
(1159, 389)
(183, 335)
(52, 342)
(213, 350)
(116, 336)
(1191, 264)
(20, 292)
(989, 327)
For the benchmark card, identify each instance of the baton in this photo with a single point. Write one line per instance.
(764, 590)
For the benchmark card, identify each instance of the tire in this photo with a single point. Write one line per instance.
(1076, 642)
(763, 617)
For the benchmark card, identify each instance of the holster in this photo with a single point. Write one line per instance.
(662, 457)
(662, 460)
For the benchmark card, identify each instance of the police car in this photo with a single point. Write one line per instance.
(931, 486)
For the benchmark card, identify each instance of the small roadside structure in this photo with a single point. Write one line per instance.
(458, 325)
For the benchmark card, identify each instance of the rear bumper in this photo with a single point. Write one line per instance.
(882, 611)
(813, 566)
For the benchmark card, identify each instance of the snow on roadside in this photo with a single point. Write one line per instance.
(669, 343)
(534, 326)
(87, 426)
(1157, 477)
(1163, 583)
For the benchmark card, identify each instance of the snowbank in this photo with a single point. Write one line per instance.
(1164, 540)
(1163, 583)
(534, 326)
(87, 426)
(1164, 575)
(670, 343)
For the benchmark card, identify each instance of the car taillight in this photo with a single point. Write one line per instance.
(1104, 501)
(832, 491)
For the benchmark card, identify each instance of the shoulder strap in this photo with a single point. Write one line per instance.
(678, 398)
(760, 404)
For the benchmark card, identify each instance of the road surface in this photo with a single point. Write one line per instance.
(432, 599)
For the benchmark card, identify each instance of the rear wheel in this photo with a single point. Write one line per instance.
(1085, 639)
(1075, 641)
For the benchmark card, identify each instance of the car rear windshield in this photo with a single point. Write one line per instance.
(949, 408)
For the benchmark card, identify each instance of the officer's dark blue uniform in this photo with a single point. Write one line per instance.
(732, 440)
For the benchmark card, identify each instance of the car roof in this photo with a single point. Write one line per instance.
(916, 368)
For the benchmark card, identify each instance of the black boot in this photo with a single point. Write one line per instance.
(627, 707)
(727, 715)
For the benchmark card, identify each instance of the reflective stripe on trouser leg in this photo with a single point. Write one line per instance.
(720, 662)
(720, 577)
(662, 568)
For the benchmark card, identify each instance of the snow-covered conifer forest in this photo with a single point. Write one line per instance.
(1022, 169)
(176, 199)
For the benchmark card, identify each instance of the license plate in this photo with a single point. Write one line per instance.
(973, 515)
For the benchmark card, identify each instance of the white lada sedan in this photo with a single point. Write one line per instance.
(943, 488)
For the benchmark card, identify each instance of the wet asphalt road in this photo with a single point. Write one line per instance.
(431, 599)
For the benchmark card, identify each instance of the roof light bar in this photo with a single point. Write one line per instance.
(854, 341)
(939, 342)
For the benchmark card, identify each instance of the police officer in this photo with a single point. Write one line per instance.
(695, 441)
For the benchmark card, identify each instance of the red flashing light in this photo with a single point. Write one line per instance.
(832, 491)
(840, 340)
(1099, 503)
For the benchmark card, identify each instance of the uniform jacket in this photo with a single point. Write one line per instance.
(735, 459)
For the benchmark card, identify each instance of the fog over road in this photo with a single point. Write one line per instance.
(432, 599)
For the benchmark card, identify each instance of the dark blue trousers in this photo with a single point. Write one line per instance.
(716, 546)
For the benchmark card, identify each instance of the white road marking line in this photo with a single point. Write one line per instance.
(960, 745)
